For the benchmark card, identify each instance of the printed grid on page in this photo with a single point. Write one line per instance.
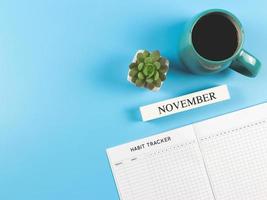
(236, 162)
(173, 173)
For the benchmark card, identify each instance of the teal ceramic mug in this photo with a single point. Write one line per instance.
(213, 41)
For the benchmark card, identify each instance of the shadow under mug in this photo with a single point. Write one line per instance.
(213, 41)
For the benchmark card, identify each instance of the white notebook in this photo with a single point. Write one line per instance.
(224, 158)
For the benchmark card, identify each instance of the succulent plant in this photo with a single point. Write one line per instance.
(148, 69)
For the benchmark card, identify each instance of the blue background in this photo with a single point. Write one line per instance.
(64, 97)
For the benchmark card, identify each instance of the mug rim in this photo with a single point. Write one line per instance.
(235, 22)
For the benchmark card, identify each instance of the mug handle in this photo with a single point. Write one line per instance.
(246, 64)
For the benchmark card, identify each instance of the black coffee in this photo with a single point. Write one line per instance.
(215, 37)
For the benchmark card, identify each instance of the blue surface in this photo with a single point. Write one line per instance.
(64, 97)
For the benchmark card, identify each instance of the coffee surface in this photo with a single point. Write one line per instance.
(215, 37)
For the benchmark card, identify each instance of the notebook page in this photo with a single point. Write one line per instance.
(164, 166)
(234, 148)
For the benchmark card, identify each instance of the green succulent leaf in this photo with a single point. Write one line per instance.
(134, 79)
(148, 60)
(156, 77)
(132, 65)
(157, 65)
(150, 86)
(141, 76)
(150, 75)
(155, 55)
(157, 83)
(164, 68)
(140, 57)
(162, 76)
(146, 54)
(140, 66)
(148, 70)
(145, 71)
(133, 72)
(163, 61)
(149, 80)
(139, 82)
